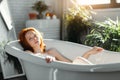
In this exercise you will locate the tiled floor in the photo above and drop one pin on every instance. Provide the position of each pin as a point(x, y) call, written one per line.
point(18, 78)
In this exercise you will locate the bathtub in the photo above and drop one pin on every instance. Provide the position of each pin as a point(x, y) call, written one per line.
point(106, 64)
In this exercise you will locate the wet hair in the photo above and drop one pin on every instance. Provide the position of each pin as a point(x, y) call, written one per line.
point(25, 44)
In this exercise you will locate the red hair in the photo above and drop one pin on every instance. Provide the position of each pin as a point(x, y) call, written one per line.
point(24, 42)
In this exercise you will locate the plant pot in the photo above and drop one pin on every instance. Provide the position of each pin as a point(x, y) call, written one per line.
point(32, 16)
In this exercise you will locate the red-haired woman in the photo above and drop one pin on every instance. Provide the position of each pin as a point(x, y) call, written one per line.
point(32, 42)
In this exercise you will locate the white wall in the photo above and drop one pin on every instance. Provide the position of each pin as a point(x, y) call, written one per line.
point(20, 9)
point(102, 14)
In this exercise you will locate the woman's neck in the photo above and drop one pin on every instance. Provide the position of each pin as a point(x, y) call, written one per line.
point(37, 50)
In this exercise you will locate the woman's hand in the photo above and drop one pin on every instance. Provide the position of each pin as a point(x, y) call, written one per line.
point(49, 59)
point(95, 50)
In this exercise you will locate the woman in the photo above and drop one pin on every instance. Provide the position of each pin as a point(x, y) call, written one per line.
point(32, 42)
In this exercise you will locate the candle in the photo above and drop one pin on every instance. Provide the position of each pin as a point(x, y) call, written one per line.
point(47, 16)
point(54, 17)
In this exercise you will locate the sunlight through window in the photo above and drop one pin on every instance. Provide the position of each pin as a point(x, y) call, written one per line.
point(91, 2)
point(118, 1)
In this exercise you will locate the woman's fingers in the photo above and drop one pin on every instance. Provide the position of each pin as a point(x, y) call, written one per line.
point(100, 49)
point(49, 59)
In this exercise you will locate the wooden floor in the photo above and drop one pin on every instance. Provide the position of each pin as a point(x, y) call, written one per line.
point(18, 78)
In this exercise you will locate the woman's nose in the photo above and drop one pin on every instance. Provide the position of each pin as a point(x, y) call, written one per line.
point(35, 38)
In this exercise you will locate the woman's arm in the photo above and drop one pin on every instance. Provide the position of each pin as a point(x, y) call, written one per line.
point(95, 50)
point(86, 55)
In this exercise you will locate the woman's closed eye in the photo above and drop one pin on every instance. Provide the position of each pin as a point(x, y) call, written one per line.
point(32, 38)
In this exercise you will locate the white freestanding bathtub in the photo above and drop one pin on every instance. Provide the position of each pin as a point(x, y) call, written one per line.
point(106, 64)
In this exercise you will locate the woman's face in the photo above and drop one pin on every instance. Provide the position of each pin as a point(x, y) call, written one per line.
point(33, 39)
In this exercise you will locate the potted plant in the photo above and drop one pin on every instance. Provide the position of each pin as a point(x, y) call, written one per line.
point(40, 7)
point(105, 34)
point(33, 15)
point(78, 21)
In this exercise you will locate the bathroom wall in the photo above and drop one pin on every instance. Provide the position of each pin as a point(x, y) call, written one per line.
point(19, 12)
point(103, 14)
point(20, 9)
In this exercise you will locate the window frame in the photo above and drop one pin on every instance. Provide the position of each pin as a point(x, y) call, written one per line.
point(113, 4)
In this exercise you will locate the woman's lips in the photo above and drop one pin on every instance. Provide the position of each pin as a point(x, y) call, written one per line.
point(36, 42)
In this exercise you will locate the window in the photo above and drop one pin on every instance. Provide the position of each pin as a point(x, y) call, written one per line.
point(100, 4)
point(92, 2)
point(118, 1)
